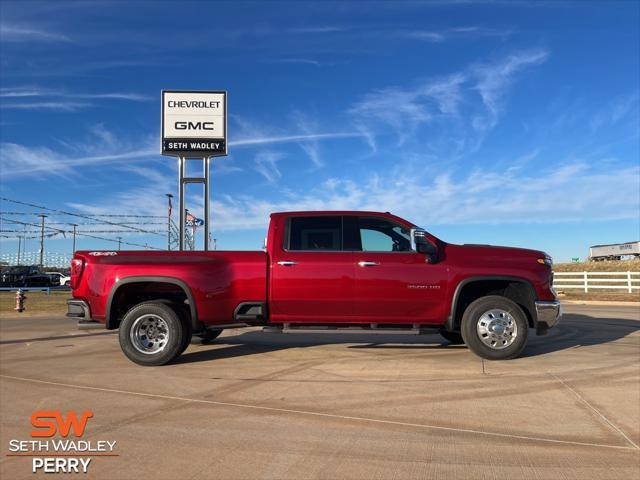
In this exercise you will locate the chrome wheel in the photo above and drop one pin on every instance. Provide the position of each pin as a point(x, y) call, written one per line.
point(497, 328)
point(149, 334)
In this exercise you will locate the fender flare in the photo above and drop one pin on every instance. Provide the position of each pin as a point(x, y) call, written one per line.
point(110, 322)
point(449, 324)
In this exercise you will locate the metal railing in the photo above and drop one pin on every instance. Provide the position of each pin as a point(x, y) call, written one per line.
point(586, 281)
point(26, 289)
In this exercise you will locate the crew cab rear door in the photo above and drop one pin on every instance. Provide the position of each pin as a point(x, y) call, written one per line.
point(393, 283)
point(312, 276)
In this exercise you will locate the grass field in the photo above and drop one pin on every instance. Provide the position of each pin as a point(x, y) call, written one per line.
point(37, 302)
point(614, 266)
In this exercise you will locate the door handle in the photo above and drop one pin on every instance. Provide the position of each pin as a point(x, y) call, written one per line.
point(287, 263)
point(368, 264)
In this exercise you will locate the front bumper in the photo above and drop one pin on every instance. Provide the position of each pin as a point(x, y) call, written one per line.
point(548, 315)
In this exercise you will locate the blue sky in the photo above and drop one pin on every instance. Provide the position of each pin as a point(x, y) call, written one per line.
point(511, 123)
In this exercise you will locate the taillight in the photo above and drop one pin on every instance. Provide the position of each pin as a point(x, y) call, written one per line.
point(77, 265)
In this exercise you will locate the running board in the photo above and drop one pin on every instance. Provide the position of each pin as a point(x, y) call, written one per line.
point(373, 328)
point(90, 325)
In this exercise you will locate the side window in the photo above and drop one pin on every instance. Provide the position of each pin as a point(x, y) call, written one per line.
point(315, 233)
point(381, 235)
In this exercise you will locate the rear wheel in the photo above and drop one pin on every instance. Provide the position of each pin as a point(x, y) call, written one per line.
point(495, 328)
point(153, 334)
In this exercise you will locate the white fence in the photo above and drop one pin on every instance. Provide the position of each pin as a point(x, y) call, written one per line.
point(586, 281)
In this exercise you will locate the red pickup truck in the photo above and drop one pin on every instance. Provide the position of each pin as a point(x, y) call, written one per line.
point(320, 271)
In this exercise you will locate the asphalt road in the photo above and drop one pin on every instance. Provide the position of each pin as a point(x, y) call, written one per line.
point(262, 405)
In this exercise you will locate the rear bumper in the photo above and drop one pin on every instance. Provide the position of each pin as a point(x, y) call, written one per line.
point(78, 309)
point(548, 315)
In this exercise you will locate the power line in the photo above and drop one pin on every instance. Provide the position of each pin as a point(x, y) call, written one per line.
point(78, 233)
point(121, 215)
point(62, 212)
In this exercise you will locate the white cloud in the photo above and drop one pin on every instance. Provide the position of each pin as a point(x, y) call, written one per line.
point(318, 29)
point(251, 141)
point(25, 33)
point(99, 147)
point(493, 79)
point(64, 106)
point(304, 61)
point(470, 32)
point(267, 165)
point(435, 104)
point(570, 192)
point(58, 99)
point(615, 110)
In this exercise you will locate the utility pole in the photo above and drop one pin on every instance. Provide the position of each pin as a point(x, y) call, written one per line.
point(43, 216)
point(169, 208)
point(74, 238)
point(19, 245)
point(119, 240)
point(184, 232)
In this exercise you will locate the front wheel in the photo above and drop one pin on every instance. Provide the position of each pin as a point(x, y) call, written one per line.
point(153, 334)
point(495, 328)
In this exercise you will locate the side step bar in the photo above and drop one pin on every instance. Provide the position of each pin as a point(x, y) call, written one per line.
point(90, 325)
point(365, 329)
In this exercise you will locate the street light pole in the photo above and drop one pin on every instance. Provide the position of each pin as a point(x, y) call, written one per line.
point(119, 240)
point(43, 216)
point(19, 245)
point(169, 208)
point(74, 237)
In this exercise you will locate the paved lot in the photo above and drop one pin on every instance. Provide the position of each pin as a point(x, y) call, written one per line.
point(260, 405)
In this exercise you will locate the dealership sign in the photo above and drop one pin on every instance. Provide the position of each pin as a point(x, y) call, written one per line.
point(194, 123)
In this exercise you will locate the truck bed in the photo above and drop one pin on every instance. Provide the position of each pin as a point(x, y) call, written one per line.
point(218, 281)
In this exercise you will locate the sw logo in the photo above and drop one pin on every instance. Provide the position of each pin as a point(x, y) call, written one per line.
point(67, 453)
point(48, 423)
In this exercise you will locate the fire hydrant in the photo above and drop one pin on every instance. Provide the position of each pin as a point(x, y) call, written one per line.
point(20, 299)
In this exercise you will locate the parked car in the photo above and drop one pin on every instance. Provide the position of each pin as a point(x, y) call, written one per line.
point(321, 271)
point(24, 276)
point(59, 279)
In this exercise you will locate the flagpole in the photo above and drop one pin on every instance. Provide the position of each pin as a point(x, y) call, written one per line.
point(170, 207)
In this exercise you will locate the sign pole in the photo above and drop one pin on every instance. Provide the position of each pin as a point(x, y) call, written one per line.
point(206, 202)
point(193, 125)
point(181, 167)
point(169, 208)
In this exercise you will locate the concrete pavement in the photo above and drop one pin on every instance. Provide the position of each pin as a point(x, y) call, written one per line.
point(262, 405)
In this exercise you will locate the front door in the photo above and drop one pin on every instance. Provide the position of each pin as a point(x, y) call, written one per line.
point(393, 283)
point(312, 277)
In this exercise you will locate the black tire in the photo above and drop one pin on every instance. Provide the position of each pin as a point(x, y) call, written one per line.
point(454, 338)
point(178, 332)
point(506, 345)
point(207, 336)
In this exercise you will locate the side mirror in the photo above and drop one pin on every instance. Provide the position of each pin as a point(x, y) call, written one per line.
point(421, 244)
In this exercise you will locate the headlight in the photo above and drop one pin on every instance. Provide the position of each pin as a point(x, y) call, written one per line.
point(547, 260)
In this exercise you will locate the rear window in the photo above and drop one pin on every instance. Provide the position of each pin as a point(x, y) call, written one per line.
point(315, 233)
